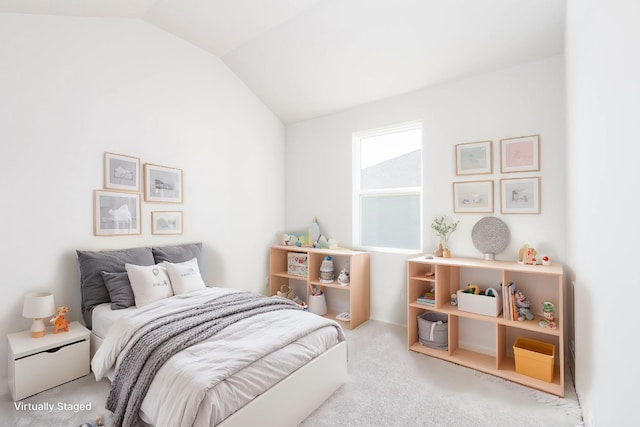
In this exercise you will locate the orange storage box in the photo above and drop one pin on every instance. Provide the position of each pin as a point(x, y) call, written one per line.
point(534, 358)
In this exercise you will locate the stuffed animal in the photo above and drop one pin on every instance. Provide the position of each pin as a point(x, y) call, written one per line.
point(59, 322)
point(343, 278)
point(523, 307)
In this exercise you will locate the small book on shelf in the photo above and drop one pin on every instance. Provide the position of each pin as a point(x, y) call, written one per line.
point(428, 298)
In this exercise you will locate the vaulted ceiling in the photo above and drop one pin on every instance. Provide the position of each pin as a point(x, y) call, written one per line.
point(307, 58)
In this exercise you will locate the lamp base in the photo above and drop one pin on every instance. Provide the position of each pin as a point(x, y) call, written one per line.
point(39, 334)
point(37, 328)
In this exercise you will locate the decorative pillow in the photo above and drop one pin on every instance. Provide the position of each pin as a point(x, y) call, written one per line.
point(92, 264)
point(178, 253)
point(149, 283)
point(119, 288)
point(185, 276)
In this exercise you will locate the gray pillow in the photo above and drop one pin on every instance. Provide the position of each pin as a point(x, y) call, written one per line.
point(92, 264)
point(178, 253)
point(120, 291)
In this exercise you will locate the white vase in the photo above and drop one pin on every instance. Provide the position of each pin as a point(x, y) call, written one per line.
point(318, 304)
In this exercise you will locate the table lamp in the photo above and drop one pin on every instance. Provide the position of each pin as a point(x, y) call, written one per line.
point(37, 306)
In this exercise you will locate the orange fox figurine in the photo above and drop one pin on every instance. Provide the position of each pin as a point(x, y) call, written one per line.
point(59, 322)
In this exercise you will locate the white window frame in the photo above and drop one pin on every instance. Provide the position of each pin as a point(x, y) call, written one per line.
point(404, 191)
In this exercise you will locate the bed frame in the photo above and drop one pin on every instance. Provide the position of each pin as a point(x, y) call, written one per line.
point(303, 391)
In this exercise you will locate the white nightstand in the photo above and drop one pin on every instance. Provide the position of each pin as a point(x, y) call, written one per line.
point(37, 364)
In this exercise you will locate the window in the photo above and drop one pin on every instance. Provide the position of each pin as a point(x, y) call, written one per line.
point(387, 188)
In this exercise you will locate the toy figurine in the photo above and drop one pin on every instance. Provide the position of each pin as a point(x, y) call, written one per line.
point(548, 311)
point(527, 255)
point(326, 270)
point(523, 307)
point(343, 278)
point(59, 322)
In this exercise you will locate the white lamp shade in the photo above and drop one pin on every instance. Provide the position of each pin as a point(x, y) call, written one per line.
point(38, 305)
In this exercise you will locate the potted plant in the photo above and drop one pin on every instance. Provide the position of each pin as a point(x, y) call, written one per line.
point(443, 229)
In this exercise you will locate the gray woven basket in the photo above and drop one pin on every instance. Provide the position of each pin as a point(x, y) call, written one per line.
point(431, 333)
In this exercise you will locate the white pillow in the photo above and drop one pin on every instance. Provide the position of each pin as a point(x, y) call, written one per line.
point(185, 276)
point(150, 283)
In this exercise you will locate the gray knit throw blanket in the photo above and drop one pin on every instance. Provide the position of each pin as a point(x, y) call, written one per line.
point(167, 336)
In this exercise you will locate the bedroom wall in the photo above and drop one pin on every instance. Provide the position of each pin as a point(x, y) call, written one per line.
point(524, 100)
point(73, 88)
point(603, 101)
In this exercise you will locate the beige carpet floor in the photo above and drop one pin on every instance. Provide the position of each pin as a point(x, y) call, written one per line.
point(388, 386)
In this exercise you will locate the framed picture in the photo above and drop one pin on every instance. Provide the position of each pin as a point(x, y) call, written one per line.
point(166, 222)
point(162, 184)
point(520, 154)
point(121, 172)
point(520, 195)
point(116, 213)
point(473, 158)
point(473, 196)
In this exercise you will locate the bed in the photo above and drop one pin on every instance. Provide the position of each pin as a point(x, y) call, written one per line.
point(269, 362)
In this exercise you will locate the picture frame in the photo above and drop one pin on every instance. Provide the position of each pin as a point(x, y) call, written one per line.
point(121, 172)
point(520, 154)
point(116, 213)
point(520, 195)
point(473, 196)
point(162, 184)
point(474, 158)
point(166, 222)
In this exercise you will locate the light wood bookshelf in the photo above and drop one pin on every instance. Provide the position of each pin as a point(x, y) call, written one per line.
point(355, 297)
point(448, 275)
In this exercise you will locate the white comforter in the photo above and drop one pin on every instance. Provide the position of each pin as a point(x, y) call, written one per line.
point(204, 384)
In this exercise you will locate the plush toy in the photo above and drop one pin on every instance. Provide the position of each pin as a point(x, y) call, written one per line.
point(288, 293)
point(343, 278)
point(59, 322)
point(523, 307)
point(96, 423)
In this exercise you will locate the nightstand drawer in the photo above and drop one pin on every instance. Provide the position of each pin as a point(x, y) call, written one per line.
point(49, 368)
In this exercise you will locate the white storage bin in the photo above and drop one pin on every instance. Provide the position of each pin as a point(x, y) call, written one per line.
point(480, 304)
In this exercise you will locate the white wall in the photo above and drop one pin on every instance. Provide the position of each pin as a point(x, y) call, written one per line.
point(523, 100)
point(603, 104)
point(73, 88)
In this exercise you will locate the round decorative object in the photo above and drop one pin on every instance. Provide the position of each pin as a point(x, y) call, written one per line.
point(490, 236)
